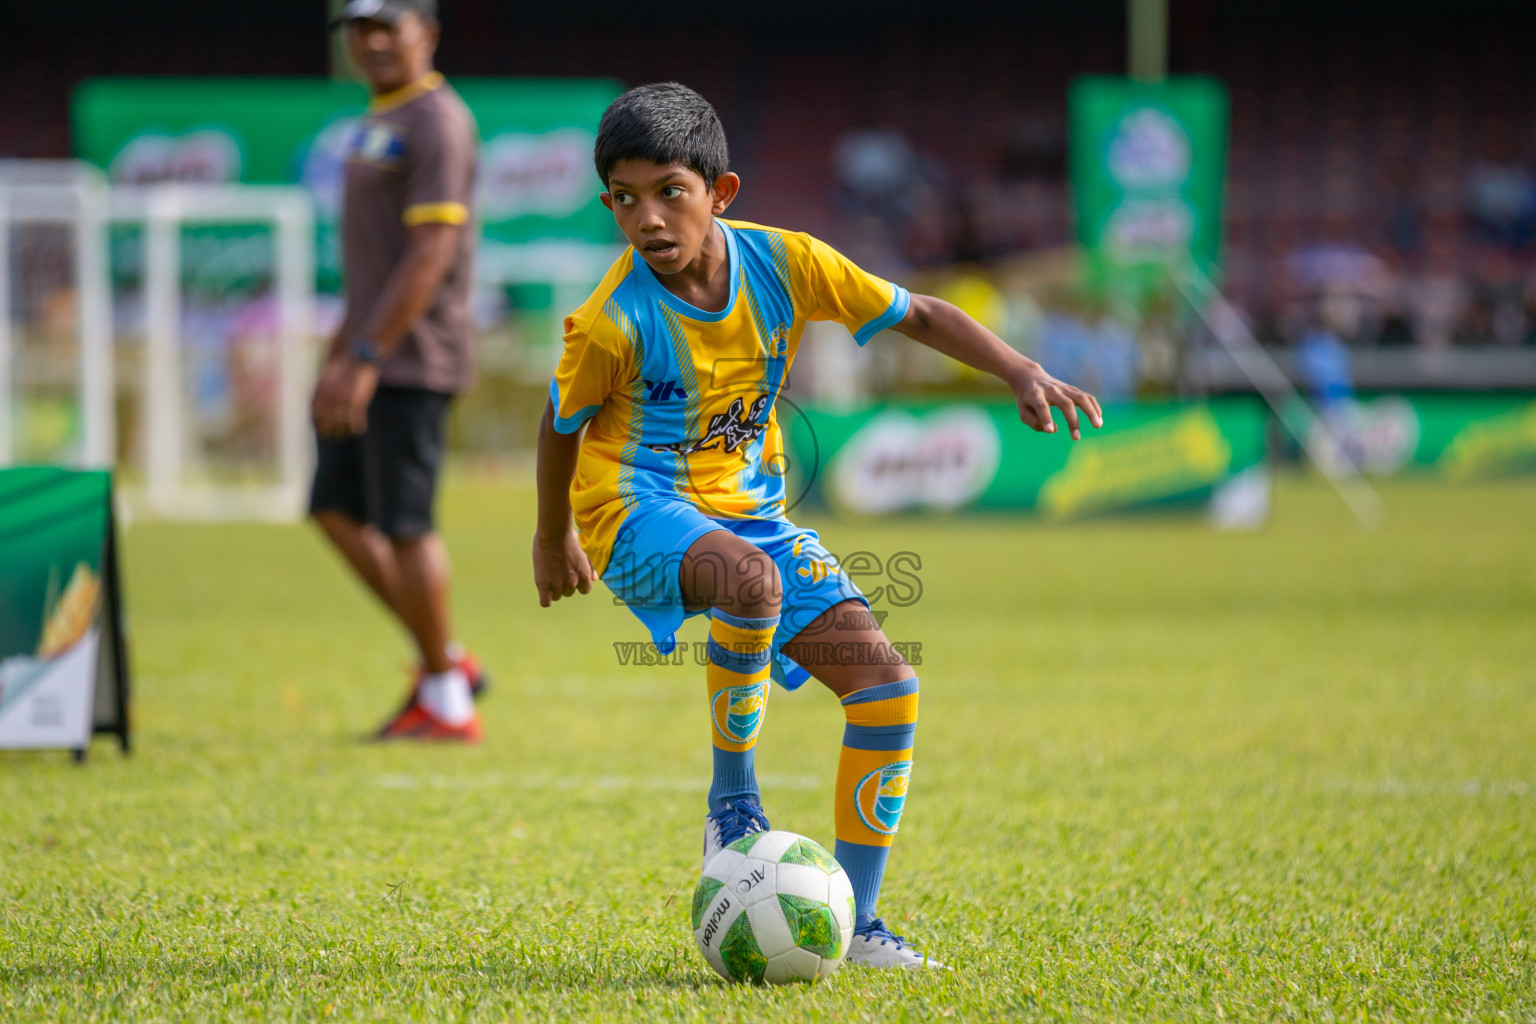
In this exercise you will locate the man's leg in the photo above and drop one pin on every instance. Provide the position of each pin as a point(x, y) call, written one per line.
point(409, 576)
point(368, 552)
point(410, 442)
point(372, 498)
point(420, 565)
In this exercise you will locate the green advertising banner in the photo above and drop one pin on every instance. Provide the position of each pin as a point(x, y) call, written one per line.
point(1147, 162)
point(536, 180)
point(60, 635)
point(977, 455)
point(1458, 437)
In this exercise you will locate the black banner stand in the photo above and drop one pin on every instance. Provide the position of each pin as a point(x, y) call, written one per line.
point(110, 714)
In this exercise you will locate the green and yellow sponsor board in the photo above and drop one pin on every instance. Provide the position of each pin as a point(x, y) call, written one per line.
point(62, 671)
point(1148, 167)
point(1454, 436)
point(536, 180)
point(949, 455)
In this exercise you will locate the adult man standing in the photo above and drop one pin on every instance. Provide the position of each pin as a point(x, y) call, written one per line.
point(404, 349)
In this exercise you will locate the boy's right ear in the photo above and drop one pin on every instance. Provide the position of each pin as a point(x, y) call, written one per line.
point(607, 198)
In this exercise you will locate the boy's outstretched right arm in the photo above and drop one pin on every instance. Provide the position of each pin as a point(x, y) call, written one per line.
point(560, 567)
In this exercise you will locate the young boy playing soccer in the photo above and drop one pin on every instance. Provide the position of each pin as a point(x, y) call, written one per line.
point(676, 485)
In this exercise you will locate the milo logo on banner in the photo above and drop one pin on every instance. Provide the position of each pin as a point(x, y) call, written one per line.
point(1148, 167)
point(898, 461)
point(207, 156)
point(545, 175)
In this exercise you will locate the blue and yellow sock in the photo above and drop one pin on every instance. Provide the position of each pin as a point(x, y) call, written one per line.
point(872, 779)
point(737, 674)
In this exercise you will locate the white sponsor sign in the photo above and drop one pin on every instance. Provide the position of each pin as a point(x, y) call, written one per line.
point(204, 157)
point(49, 702)
point(1149, 150)
point(898, 461)
point(548, 174)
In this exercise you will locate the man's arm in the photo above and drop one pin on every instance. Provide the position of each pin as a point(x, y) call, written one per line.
point(347, 385)
point(415, 280)
point(560, 567)
point(944, 328)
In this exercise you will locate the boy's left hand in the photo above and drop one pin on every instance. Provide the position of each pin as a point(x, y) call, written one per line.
point(1037, 391)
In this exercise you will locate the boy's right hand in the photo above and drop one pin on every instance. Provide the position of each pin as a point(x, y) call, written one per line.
point(560, 567)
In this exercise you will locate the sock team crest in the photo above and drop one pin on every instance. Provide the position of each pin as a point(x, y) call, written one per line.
point(880, 796)
point(738, 711)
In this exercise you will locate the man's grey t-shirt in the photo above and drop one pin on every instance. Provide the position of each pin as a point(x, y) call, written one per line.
point(412, 161)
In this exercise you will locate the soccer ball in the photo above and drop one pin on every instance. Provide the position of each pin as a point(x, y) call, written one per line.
point(773, 907)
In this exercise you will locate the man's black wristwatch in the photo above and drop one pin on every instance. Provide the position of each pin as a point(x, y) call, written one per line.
point(365, 352)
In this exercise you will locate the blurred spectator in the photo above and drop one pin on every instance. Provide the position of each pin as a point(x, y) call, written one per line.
point(1116, 358)
point(1498, 299)
point(1066, 345)
point(1437, 296)
point(877, 173)
point(1396, 330)
point(1336, 268)
point(1475, 329)
point(1322, 361)
point(1034, 148)
point(966, 241)
point(1401, 195)
point(1500, 193)
point(1528, 297)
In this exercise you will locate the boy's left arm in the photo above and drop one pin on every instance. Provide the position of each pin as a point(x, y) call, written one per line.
point(944, 328)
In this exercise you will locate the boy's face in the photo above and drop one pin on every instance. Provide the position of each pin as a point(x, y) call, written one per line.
point(666, 211)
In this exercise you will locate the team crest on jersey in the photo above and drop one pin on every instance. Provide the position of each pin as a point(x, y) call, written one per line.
point(378, 143)
point(880, 796)
point(778, 343)
point(735, 427)
point(738, 711)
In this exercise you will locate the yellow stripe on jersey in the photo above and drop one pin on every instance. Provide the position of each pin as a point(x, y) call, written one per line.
point(435, 213)
point(403, 95)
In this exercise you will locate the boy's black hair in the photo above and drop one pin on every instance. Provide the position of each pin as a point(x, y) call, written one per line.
point(665, 123)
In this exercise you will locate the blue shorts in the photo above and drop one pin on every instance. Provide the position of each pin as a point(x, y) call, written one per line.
point(648, 555)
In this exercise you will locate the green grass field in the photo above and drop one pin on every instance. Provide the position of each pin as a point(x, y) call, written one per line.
point(1162, 773)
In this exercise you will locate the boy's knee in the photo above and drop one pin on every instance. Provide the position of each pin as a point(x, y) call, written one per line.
point(758, 589)
point(878, 670)
point(883, 705)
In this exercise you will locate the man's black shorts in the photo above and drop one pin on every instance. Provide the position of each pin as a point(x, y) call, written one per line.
point(388, 475)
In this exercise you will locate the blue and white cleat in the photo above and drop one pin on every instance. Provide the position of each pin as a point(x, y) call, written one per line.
point(875, 945)
point(737, 819)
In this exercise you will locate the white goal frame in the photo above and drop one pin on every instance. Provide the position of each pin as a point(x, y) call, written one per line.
point(75, 194)
point(162, 211)
point(165, 482)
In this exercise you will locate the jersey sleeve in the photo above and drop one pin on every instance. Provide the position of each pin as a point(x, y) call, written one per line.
point(588, 373)
point(843, 291)
point(440, 171)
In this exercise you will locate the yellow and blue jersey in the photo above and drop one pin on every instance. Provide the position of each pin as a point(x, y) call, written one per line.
point(678, 401)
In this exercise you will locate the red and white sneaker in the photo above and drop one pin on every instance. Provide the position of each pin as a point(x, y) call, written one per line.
point(417, 723)
point(466, 662)
point(479, 682)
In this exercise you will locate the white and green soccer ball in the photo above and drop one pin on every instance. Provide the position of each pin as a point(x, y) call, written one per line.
point(773, 907)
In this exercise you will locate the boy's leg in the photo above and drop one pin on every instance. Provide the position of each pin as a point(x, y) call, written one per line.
point(845, 649)
point(740, 585)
